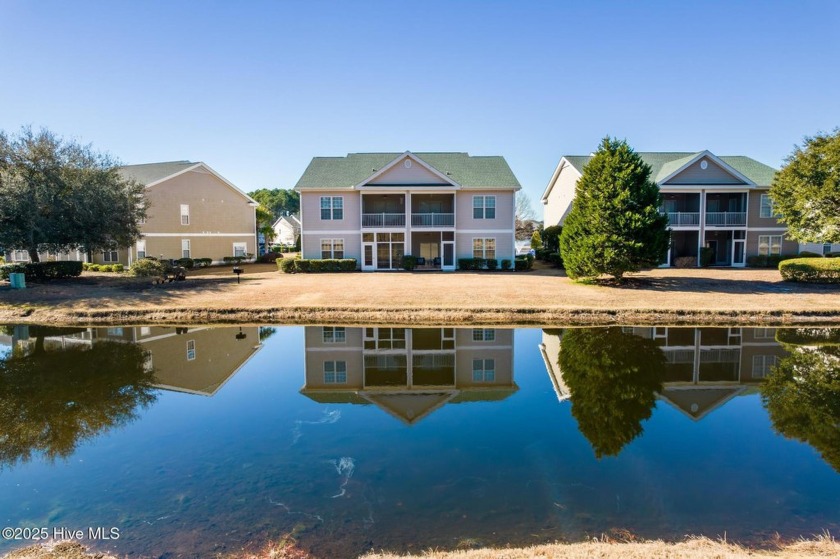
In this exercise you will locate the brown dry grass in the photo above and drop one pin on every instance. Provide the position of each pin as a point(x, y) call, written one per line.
point(542, 296)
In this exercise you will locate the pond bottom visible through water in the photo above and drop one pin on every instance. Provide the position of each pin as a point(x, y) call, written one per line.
point(195, 442)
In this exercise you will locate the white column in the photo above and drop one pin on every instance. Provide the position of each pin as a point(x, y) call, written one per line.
point(408, 249)
point(701, 235)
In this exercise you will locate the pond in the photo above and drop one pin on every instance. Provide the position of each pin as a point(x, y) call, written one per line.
point(195, 441)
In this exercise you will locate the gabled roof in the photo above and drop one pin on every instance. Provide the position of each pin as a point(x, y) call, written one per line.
point(150, 174)
point(466, 170)
point(293, 219)
point(665, 164)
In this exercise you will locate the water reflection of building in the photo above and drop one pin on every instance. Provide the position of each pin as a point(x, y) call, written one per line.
point(408, 372)
point(706, 367)
point(192, 360)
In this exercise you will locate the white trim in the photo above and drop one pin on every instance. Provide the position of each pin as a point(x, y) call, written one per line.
point(694, 189)
point(563, 164)
point(348, 231)
point(494, 231)
point(212, 172)
point(190, 234)
point(410, 155)
point(767, 228)
point(720, 163)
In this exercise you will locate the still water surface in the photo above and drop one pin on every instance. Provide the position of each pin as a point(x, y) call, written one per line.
point(203, 440)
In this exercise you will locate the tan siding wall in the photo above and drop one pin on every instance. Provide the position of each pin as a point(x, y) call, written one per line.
point(560, 199)
point(311, 245)
point(788, 246)
point(750, 351)
point(713, 174)
point(122, 253)
point(503, 362)
point(416, 174)
point(315, 368)
point(200, 247)
point(310, 212)
point(754, 218)
point(504, 210)
point(504, 245)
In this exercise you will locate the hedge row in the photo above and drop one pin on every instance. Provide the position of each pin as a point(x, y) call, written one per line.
point(103, 267)
point(483, 264)
point(768, 261)
point(811, 270)
point(43, 271)
point(296, 265)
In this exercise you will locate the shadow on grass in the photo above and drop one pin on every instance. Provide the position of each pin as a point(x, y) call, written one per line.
point(697, 284)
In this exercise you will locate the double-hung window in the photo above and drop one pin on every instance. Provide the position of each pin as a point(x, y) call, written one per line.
point(332, 248)
point(185, 248)
point(141, 249)
point(769, 244)
point(335, 372)
point(334, 334)
point(185, 214)
point(484, 207)
point(767, 207)
point(240, 249)
point(484, 334)
point(332, 207)
point(110, 255)
point(190, 350)
point(762, 365)
point(484, 247)
point(484, 370)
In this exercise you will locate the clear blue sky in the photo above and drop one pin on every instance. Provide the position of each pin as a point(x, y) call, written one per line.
point(255, 89)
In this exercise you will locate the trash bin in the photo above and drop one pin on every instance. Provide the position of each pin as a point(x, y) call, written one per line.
point(17, 280)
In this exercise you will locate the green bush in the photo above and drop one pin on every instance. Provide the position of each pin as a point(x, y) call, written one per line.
point(492, 264)
point(86, 266)
point(465, 263)
point(147, 267)
point(106, 268)
point(522, 263)
point(235, 260)
point(811, 270)
point(506, 264)
point(409, 262)
point(202, 262)
point(187, 263)
point(269, 257)
point(809, 254)
point(95, 268)
point(832, 255)
point(286, 265)
point(119, 268)
point(43, 271)
point(707, 256)
point(303, 266)
point(767, 261)
point(551, 238)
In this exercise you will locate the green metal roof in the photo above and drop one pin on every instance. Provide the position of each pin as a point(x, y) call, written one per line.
point(148, 173)
point(467, 170)
point(665, 163)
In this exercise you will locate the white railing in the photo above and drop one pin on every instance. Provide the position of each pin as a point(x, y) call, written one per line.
point(683, 218)
point(720, 356)
point(726, 218)
point(383, 220)
point(433, 220)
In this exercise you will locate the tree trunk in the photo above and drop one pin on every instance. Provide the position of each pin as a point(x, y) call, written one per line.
point(33, 254)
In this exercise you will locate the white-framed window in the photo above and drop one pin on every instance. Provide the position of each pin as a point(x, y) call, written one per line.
point(185, 248)
point(115, 332)
point(190, 350)
point(240, 249)
point(764, 333)
point(484, 207)
point(145, 330)
point(826, 248)
point(484, 247)
point(20, 256)
point(185, 214)
point(332, 207)
point(484, 370)
point(484, 334)
point(334, 334)
point(335, 372)
point(384, 338)
point(332, 248)
point(762, 365)
point(141, 249)
point(110, 255)
point(769, 244)
point(767, 207)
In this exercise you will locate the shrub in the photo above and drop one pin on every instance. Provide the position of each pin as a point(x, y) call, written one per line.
point(95, 268)
point(119, 268)
point(832, 255)
point(286, 265)
point(86, 266)
point(811, 270)
point(685, 262)
point(187, 263)
point(409, 262)
point(43, 271)
point(106, 268)
point(522, 263)
point(506, 264)
point(466, 263)
point(147, 267)
point(269, 257)
point(295, 265)
point(555, 259)
point(202, 262)
point(551, 238)
point(707, 256)
point(303, 266)
point(809, 254)
point(492, 263)
point(767, 261)
point(236, 260)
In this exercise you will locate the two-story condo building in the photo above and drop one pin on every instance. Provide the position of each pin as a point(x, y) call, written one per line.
point(720, 202)
point(378, 207)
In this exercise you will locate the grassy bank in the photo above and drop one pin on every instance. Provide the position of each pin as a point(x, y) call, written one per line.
point(539, 297)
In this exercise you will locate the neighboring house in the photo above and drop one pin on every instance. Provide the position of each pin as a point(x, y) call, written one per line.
point(713, 201)
point(705, 367)
point(408, 372)
point(820, 248)
point(378, 207)
point(287, 229)
point(193, 212)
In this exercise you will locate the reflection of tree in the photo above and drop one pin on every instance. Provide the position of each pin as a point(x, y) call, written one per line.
point(613, 378)
point(266, 332)
point(802, 396)
point(50, 401)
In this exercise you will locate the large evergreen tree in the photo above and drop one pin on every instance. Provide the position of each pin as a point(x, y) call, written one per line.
point(614, 226)
point(59, 195)
point(806, 192)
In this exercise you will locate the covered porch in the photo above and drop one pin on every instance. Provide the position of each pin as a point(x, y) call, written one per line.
point(434, 250)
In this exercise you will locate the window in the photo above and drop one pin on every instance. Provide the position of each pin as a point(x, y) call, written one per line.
point(185, 248)
point(115, 332)
point(332, 248)
point(21, 256)
point(385, 338)
point(769, 244)
point(190, 350)
point(185, 214)
point(763, 365)
point(110, 255)
point(484, 248)
point(484, 207)
point(141, 249)
point(332, 207)
point(484, 370)
point(240, 249)
point(764, 333)
point(335, 372)
point(826, 248)
point(484, 334)
point(334, 334)
point(145, 330)
point(767, 207)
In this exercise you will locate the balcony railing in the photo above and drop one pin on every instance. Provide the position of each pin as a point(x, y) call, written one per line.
point(726, 218)
point(433, 220)
point(383, 220)
point(683, 218)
